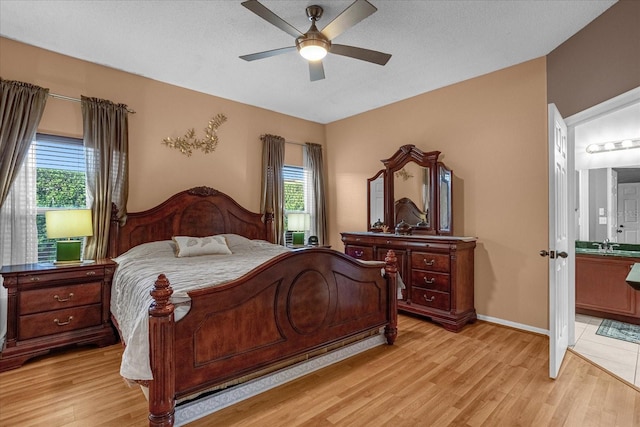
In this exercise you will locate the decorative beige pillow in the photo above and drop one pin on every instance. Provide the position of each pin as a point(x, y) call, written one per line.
point(193, 246)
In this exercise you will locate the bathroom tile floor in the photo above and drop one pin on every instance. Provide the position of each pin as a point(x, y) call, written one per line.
point(619, 357)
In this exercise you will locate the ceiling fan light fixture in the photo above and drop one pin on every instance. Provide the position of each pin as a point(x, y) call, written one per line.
point(312, 46)
point(312, 52)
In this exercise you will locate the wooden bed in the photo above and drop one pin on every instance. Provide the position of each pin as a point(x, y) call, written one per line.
point(297, 304)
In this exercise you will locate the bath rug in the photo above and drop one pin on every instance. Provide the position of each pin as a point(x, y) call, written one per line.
point(619, 330)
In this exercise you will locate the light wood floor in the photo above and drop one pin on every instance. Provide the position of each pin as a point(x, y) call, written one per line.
point(486, 375)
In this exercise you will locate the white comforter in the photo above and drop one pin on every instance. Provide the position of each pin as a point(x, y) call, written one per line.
point(139, 268)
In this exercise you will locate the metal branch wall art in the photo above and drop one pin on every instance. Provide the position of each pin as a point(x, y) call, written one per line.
point(187, 143)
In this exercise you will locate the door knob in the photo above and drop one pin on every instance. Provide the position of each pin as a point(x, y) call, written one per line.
point(543, 253)
point(563, 254)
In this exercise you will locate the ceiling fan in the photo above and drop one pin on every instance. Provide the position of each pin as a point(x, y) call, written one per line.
point(314, 45)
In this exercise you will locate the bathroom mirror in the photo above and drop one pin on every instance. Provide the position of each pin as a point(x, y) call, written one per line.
point(417, 190)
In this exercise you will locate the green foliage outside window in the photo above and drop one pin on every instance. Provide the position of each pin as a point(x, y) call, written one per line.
point(293, 196)
point(60, 188)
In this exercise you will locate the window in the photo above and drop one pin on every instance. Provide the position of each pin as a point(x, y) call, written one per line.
point(294, 186)
point(60, 182)
point(296, 197)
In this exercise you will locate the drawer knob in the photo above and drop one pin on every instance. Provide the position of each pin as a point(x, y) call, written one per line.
point(34, 279)
point(433, 261)
point(358, 253)
point(91, 273)
point(59, 323)
point(429, 299)
point(57, 298)
point(429, 281)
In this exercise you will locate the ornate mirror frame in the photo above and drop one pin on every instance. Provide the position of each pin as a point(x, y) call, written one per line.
point(439, 213)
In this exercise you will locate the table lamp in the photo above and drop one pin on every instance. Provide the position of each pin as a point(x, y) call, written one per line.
point(298, 223)
point(68, 223)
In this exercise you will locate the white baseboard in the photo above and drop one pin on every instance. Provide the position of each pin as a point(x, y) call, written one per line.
point(513, 324)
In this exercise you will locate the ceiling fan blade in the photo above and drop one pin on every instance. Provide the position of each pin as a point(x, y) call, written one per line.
point(360, 53)
point(355, 13)
point(259, 9)
point(316, 70)
point(267, 53)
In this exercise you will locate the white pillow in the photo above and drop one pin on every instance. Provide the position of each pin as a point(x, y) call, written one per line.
point(193, 246)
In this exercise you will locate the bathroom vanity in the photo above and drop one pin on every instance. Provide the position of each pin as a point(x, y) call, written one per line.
point(601, 287)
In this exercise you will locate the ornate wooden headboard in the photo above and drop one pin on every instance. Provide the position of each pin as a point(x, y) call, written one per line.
point(198, 212)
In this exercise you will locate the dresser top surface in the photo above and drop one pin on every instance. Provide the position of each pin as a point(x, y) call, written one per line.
point(425, 237)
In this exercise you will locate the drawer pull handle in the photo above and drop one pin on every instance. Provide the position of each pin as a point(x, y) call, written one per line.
point(57, 298)
point(429, 299)
point(358, 253)
point(433, 261)
point(429, 281)
point(91, 273)
point(34, 279)
point(59, 323)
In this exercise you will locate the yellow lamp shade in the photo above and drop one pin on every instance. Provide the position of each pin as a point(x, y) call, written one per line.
point(68, 223)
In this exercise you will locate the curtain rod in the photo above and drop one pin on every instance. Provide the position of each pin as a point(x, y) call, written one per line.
point(295, 143)
point(68, 98)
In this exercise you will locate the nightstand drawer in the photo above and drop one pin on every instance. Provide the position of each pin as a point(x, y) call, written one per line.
point(431, 280)
point(61, 275)
point(434, 299)
point(59, 297)
point(430, 261)
point(53, 322)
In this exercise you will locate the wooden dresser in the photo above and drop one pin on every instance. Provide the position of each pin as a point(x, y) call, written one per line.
point(51, 306)
point(437, 272)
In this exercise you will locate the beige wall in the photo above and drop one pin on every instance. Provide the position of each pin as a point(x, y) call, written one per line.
point(162, 110)
point(492, 133)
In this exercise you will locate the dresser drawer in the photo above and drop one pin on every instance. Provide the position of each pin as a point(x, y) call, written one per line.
point(431, 280)
point(430, 261)
point(54, 322)
point(59, 297)
point(433, 299)
point(360, 252)
point(58, 276)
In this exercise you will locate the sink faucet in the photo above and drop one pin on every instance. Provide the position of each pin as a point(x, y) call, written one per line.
point(606, 245)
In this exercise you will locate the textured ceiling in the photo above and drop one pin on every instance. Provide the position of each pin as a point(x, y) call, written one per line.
point(196, 44)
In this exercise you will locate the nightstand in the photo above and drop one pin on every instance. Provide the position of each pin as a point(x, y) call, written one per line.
point(51, 306)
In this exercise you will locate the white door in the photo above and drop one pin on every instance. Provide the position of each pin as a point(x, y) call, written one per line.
point(558, 242)
point(628, 230)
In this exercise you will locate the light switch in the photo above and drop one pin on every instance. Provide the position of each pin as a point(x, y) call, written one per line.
point(603, 220)
point(601, 212)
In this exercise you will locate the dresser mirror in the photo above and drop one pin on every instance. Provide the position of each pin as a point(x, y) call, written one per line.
point(416, 189)
point(375, 201)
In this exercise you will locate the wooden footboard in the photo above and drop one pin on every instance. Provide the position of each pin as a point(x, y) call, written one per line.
point(294, 304)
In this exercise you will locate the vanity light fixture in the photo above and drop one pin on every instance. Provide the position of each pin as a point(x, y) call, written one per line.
point(625, 144)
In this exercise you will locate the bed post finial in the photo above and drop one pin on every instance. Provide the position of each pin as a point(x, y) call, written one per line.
point(161, 349)
point(391, 269)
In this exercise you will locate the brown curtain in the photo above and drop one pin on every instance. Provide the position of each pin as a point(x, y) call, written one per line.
point(273, 183)
point(21, 108)
point(106, 141)
point(314, 164)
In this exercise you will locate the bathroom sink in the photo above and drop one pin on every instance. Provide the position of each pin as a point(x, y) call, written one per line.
point(614, 252)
